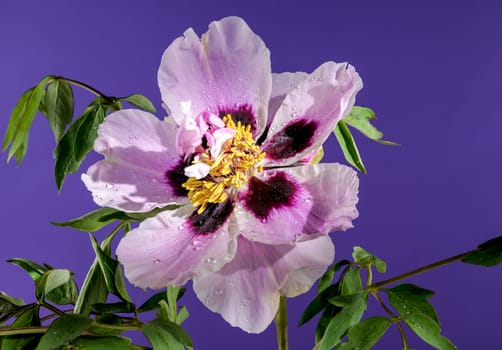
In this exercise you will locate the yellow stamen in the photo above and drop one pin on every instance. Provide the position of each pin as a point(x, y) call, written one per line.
point(236, 162)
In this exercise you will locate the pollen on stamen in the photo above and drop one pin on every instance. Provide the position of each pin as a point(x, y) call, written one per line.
point(237, 161)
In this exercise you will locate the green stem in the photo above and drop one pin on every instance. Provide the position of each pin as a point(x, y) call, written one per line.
point(281, 325)
point(22, 330)
point(395, 319)
point(418, 271)
point(88, 88)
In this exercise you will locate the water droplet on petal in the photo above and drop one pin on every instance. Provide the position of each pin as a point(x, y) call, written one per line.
point(211, 261)
point(109, 186)
point(307, 200)
point(263, 220)
point(181, 227)
point(157, 261)
point(218, 291)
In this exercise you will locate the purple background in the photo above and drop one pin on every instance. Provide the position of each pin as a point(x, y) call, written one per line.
point(431, 72)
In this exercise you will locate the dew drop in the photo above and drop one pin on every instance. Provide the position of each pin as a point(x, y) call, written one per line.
point(211, 261)
point(307, 200)
point(157, 261)
point(196, 242)
point(181, 227)
point(209, 301)
point(218, 291)
point(109, 186)
point(263, 220)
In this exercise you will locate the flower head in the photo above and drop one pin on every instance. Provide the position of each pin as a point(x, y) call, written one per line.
point(255, 215)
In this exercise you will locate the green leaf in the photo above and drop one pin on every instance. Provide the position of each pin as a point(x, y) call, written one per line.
point(111, 272)
point(51, 280)
point(6, 299)
point(348, 146)
point(351, 282)
point(327, 277)
point(182, 315)
point(58, 106)
point(34, 269)
point(363, 257)
point(21, 119)
point(77, 142)
point(319, 303)
point(93, 221)
point(153, 302)
point(102, 322)
point(365, 334)
point(94, 289)
point(165, 335)
point(28, 318)
point(86, 342)
point(349, 316)
point(345, 300)
point(488, 253)
point(329, 312)
point(359, 118)
point(428, 330)
point(120, 306)
point(63, 330)
point(408, 298)
point(140, 101)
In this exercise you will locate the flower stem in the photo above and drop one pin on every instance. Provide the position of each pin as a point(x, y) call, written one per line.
point(88, 88)
point(418, 271)
point(281, 325)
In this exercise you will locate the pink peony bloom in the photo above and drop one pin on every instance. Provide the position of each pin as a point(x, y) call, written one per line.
point(255, 218)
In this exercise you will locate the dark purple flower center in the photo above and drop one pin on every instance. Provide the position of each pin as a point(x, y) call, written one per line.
point(243, 114)
point(176, 177)
point(263, 196)
point(211, 218)
point(292, 139)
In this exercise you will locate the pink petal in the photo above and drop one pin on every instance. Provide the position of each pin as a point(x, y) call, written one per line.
point(138, 149)
point(334, 191)
point(163, 250)
point(273, 208)
point(309, 113)
point(246, 291)
point(282, 84)
point(228, 68)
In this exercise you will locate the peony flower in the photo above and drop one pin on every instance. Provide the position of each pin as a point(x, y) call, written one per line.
point(255, 216)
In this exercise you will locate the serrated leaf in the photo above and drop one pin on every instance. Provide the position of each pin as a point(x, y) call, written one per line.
point(140, 101)
point(408, 298)
point(63, 330)
point(488, 253)
point(58, 106)
point(21, 119)
point(359, 118)
point(111, 272)
point(165, 335)
point(319, 303)
point(153, 302)
point(367, 333)
point(86, 342)
point(20, 342)
point(351, 282)
point(428, 330)
point(34, 269)
point(348, 145)
point(349, 316)
point(77, 142)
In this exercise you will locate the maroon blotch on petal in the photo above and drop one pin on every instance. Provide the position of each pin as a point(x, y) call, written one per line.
point(265, 195)
point(211, 219)
point(294, 138)
point(176, 178)
point(243, 114)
